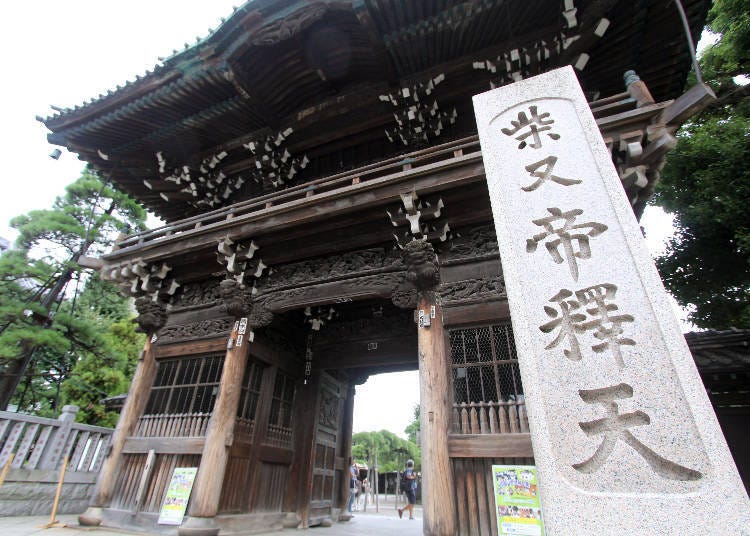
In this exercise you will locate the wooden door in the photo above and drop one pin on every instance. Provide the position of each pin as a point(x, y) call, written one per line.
point(326, 472)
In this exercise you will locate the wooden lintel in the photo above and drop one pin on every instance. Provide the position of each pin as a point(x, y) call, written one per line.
point(357, 356)
point(374, 286)
point(164, 445)
point(475, 313)
point(490, 446)
point(191, 347)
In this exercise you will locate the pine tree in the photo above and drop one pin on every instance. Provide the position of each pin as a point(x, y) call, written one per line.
point(84, 221)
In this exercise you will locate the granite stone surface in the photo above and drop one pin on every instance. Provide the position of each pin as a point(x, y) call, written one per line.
point(624, 437)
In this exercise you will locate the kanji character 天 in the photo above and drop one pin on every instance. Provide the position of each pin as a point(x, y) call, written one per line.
point(615, 427)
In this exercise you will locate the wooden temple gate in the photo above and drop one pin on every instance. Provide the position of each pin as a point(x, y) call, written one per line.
point(325, 153)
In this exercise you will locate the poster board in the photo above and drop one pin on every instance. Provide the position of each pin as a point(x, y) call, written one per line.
point(517, 504)
point(178, 494)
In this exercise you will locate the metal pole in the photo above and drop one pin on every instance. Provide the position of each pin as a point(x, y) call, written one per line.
point(689, 37)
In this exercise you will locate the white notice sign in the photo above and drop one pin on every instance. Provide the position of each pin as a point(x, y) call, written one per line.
point(624, 437)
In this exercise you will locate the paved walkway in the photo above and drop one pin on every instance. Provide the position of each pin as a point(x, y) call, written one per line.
point(368, 523)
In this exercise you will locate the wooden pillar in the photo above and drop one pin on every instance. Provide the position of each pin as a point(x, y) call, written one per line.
point(135, 403)
point(422, 271)
point(347, 426)
point(299, 491)
point(204, 500)
point(436, 400)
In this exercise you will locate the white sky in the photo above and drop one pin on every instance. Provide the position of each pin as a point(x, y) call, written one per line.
point(64, 53)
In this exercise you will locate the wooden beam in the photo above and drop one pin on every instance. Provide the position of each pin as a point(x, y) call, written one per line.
point(270, 454)
point(688, 104)
point(490, 446)
point(164, 445)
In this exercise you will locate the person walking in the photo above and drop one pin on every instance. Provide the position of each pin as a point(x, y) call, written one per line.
point(353, 485)
point(411, 490)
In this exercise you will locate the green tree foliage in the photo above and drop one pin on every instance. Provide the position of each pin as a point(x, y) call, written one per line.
point(706, 185)
point(105, 370)
point(413, 427)
point(56, 321)
point(85, 220)
point(392, 450)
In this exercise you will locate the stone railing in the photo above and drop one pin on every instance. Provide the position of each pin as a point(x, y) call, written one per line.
point(34, 450)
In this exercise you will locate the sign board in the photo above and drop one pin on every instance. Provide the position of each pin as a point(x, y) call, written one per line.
point(517, 504)
point(178, 494)
point(624, 436)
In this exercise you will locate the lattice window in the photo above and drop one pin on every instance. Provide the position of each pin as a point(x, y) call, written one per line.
point(279, 431)
point(281, 405)
point(485, 365)
point(250, 391)
point(185, 385)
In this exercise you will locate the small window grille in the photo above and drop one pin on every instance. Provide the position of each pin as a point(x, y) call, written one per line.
point(485, 365)
point(250, 391)
point(281, 405)
point(185, 385)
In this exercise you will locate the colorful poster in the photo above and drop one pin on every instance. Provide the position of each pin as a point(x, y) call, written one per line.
point(178, 493)
point(517, 500)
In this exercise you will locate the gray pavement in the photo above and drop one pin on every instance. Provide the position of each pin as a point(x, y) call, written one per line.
point(369, 523)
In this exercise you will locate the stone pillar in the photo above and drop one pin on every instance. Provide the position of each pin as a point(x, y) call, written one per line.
point(620, 423)
point(152, 316)
point(53, 453)
point(435, 391)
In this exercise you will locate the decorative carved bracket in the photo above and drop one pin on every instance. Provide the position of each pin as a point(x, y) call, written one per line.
point(152, 315)
point(516, 64)
point(237, 291)
point(139, 278)
point(204, 185)
point(417, 119)
point(151, 288)
point(423, 218)
point(274, 167)
point(240, 261)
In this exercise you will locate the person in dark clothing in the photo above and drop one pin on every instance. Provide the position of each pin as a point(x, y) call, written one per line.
point(411, 490)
